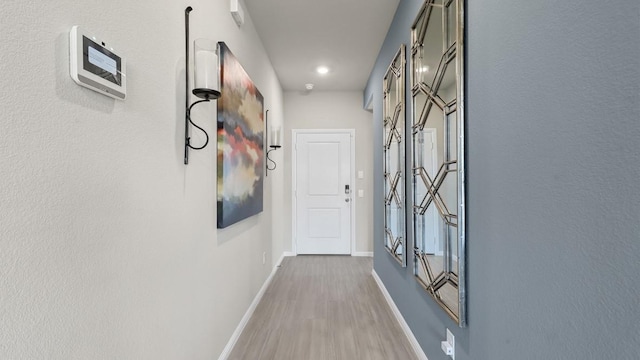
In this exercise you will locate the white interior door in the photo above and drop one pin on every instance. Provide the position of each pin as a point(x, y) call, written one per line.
point(323, 193)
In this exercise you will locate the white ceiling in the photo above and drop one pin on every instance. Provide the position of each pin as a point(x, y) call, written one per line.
point(344, 35)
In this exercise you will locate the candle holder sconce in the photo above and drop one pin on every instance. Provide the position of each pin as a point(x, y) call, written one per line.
point(276, 142)
point(205, 78)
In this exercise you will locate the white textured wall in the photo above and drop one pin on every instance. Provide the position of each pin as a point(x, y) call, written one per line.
point(331, 110)
point(108, 243)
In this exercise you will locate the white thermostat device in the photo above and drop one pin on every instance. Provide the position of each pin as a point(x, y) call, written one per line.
point(95, 65)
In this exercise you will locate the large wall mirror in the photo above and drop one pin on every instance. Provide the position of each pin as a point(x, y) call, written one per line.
point(438, 154)
point(394, 158)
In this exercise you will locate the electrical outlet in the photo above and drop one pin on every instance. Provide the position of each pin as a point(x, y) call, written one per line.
point(449, 346)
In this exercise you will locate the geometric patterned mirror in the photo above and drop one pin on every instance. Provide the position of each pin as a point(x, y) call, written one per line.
point(438, 154)
point(394, 158)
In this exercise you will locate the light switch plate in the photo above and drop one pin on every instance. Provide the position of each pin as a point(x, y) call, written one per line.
point(360, 174)
point(360, 193)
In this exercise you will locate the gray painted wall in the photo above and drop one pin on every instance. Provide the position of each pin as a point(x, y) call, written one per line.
point(553, 125)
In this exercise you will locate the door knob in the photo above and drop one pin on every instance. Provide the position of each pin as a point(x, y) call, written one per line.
point(346, 200)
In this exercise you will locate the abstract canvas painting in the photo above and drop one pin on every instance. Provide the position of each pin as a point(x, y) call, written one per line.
point(240, 142)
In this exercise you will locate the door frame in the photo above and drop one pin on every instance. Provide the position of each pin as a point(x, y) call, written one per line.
point(294, 182)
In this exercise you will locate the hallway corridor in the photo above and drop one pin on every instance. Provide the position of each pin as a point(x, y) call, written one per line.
point(323, 307)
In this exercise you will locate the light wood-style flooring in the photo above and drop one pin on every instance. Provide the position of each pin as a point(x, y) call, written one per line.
point(323, 308)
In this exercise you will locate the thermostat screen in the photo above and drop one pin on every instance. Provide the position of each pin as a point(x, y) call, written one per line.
point(101, 62)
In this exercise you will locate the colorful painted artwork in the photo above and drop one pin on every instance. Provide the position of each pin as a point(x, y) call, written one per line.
point(240, 142)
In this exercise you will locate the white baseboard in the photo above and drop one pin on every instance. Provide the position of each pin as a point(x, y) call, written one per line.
point(285, 254)
point(403, 324)
point(247, 315)
point(362, 253)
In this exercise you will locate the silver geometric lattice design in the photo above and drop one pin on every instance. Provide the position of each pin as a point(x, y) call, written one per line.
point(394, 158)
point(438, 154)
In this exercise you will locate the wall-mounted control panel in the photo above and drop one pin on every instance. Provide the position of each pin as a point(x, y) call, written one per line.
point(96, 65)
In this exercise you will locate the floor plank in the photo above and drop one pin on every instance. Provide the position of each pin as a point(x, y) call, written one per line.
point(323, 308)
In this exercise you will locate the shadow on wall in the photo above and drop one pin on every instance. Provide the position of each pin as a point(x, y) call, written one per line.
point(235, 230)
point(180, 112)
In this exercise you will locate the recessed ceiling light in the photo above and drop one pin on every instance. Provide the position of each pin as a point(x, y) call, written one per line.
point(308, 86)
point(322, 70)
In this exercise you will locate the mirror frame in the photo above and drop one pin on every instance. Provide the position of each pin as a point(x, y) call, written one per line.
point(452, 274)
point(394, 121)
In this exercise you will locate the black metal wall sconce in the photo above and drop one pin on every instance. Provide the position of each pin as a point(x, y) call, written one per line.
point(205, 78)
point(276, 142)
